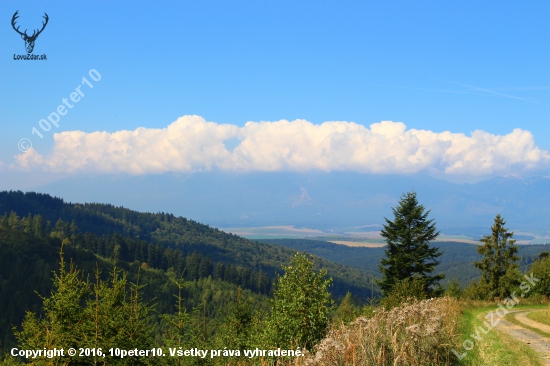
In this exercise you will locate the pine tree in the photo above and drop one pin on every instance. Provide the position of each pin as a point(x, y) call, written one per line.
point(38, 226)
point(63, 315)
point(4, 221)
point(408, 254)
point(26, 223)
point(499, 255)
point(13, 221)
point(453, 289)
point(174, 326)
point(236, 330)
point(72, 231)
point(79, 314)
point(346, 311)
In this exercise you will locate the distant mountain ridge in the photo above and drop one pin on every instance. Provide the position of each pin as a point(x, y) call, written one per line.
point(457, 260)
point(319, 200)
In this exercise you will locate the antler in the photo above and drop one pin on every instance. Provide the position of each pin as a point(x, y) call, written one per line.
point(34, 35)
point(13, 19)
point(44, 23)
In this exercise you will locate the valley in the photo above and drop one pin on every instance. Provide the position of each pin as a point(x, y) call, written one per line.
point(210, 270)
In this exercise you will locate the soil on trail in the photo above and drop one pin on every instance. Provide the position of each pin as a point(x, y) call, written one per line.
point(537, 342)
point(521, 316)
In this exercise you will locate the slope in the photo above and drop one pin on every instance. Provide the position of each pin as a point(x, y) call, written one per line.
point(177, 233)
point(457, 260)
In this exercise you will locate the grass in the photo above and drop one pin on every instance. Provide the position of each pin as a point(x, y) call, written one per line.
point(540, 316)
point(426, 333)
point(494, 348)
point(416, 334)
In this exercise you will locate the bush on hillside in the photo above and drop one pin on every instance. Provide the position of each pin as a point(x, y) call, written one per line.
point(404, 291)
point(540, 270)
point(453, 289)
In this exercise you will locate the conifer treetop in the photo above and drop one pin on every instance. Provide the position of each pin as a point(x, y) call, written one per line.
point(408, 253)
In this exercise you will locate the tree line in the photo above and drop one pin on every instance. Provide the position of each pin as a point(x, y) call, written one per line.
point(168, 231)
point(407, 269)
point(112, 313)
point(120, 248)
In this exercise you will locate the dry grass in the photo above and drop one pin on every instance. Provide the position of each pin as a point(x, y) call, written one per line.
point(421, 333)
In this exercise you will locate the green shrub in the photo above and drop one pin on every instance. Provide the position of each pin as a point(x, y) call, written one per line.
point(408, 290)
point(300, 305)
point(453, 289)
point(540, 269)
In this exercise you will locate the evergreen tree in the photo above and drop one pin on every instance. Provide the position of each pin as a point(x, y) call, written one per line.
point(115, 316)
point(26, 223)
point(81, 315)
point(218, 272)
point(175, 325)
point(13, 221)
point(60, 230)
point(236, 330)
point(499, 254)
point(151, 256)
point(453, 289)
point(408, 253)
point(72, 231)
point(38, 226)
point(63, 315)
point(346, 311)
point(4, 221)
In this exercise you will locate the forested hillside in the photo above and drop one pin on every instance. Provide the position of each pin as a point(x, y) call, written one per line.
point(156, 247)
point(197, 285)
point(457, 260)
point(161, 239)
point(27, 262)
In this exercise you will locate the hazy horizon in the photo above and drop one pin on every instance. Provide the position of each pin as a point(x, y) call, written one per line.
point(307, 114)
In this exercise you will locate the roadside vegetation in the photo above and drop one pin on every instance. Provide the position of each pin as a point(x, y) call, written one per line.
point(542, 316)
point(494, 348)
point(417, 333)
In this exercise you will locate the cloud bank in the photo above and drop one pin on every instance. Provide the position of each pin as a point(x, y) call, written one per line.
point(192, 144)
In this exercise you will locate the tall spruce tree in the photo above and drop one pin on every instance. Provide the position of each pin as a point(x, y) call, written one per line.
point(499, 257)
point(408, 254)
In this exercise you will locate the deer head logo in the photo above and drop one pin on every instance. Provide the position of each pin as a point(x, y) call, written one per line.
point(29, 40)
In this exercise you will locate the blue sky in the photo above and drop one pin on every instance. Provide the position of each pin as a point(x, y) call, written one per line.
point(455, 66)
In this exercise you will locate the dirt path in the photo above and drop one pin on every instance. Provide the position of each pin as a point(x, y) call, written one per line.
point(521, 316)
point(534, 340)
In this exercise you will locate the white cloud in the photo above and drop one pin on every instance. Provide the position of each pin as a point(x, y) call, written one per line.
point(191, 144)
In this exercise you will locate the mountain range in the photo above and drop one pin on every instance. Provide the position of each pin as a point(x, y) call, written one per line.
point(319, 200)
